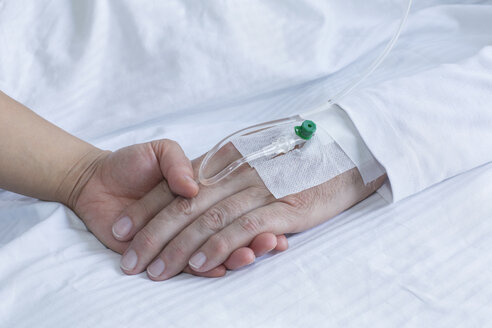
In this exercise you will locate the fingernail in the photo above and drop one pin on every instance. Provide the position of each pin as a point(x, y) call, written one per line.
point(129, 260)
point(197, 260)
point(122, 227)
point(156, 268)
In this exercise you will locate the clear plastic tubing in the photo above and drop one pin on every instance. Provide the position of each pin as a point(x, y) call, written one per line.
point(286, 143)
point(281, 145)
point(370, 69)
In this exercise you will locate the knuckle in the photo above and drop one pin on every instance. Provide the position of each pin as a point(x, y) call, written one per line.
point(255, 192)
point(299, 201)
point(147, 239)
point(165, 147)
point(176, 250)
point(169, 142)
point(218, 244)
point(184, 205)
point(251, 224)
point(214, 219)
point(142, 209)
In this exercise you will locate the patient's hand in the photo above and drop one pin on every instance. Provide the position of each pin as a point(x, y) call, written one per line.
point(205, 230)
point(135, 175)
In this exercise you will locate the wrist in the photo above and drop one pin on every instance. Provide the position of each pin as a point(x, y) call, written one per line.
point(78, 175)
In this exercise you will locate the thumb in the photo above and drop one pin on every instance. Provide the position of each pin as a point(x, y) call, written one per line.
point(175, 167)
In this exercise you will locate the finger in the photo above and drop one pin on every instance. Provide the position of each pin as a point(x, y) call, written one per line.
point(152, 238)
point(275, 217)
point(282, 243)
point(240, 258)
point(217, 272)
point(263, 243)
point(175, 167)
point(313, 206)
point(138, 213)
point(178, 251)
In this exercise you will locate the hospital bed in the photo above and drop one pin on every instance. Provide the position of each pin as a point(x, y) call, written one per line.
point(425, 261)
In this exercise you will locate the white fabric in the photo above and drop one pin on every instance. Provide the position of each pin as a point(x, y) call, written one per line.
point(335, 148)
point(424, 261)
point(435, 124)
point(317, 161)
point(335, 121)
point(116, 73)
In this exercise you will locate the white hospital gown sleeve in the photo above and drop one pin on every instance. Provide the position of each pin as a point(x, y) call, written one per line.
point(430, 126)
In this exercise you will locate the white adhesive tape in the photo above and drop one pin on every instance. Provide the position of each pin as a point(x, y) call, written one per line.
point(318, 161)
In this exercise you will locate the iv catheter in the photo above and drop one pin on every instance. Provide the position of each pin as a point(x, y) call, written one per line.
point(301, 133)
point(282, 145)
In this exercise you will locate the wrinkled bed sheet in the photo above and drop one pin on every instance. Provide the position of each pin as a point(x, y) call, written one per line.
point(423, 262)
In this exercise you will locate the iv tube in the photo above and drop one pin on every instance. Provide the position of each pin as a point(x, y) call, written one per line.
point(286, 144)
point(282, 145)
point(372, 68)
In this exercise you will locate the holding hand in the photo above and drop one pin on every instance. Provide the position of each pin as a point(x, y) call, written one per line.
point(43, 161)
point(130, 193)
point(143, 179)
point(205, 230)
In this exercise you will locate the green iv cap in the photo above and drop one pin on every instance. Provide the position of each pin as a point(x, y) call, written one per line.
point(306, 130)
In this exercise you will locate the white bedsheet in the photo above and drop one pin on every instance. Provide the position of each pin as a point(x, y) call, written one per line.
point(425, 261)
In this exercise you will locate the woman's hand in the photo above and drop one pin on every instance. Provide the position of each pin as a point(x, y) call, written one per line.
point(41, 160)
point(204, 231)
point(118, 179)
point(143, 178)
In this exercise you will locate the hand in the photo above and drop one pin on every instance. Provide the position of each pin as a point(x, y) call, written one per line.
point(205, 230)
point(141, 177)
point(43, 161)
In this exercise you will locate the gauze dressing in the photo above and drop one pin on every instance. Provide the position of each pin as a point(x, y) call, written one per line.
point(289, 163)
point(315, 162)
point(293, 154)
